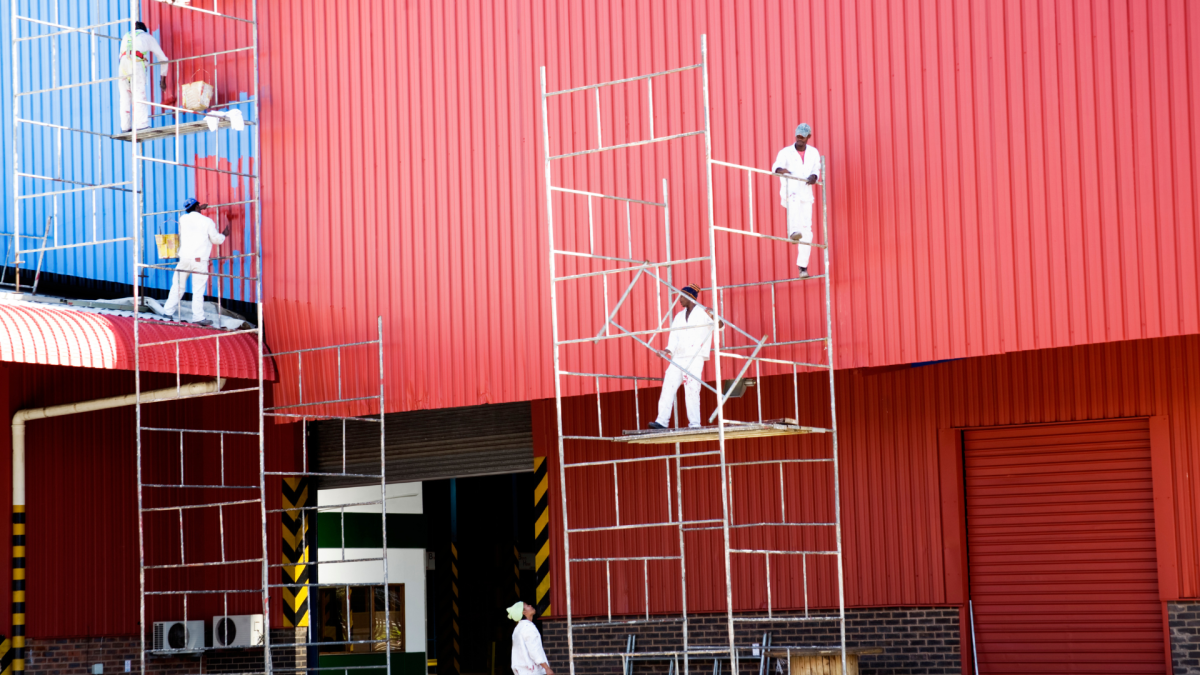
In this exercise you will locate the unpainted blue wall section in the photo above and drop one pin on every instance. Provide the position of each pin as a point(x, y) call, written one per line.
point(93, 215)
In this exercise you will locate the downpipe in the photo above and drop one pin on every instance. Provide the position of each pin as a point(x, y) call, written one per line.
point(18, 483)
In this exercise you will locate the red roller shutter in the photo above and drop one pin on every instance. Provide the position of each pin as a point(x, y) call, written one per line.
point(1060, 528)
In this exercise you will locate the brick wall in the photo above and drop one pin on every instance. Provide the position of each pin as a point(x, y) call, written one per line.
point(914, 640)
point(75, 656)
point(1183, 620)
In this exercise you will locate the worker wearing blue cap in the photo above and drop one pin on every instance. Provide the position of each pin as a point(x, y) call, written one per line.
point(687, 349)
point(197, 235)
point(802, 160)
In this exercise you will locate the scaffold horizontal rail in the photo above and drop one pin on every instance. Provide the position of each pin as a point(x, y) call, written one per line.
point(779, 427)
point(633, 144)
point(790, 618)
point(631, 460)
point(205, 564)
point(625, 80)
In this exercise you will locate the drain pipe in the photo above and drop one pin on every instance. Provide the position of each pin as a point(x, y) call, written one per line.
point(18, 484)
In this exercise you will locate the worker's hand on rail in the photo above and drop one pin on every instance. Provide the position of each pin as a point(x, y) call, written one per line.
point(811, 179)
point(783, 170)
point(665, 353)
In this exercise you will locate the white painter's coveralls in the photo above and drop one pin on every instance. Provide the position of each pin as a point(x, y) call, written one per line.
point(797, 196)
point(689, 348)
point(527, 652)
point(133, 76)
point(197, 234)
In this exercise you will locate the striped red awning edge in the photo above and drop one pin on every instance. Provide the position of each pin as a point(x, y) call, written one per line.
point(66, 337)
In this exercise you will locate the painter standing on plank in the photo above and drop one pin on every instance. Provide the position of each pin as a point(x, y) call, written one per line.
point(687, 349)
point(133, 75)
point(197, 235)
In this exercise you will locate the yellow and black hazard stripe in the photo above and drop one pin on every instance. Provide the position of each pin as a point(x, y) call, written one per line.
point(295, 551)
point(454, 602)
point(541, 534)
point(18, 589)
point(6, 656)
point(516, 573)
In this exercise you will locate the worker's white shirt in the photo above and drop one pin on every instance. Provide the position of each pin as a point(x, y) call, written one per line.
point(140, 41)
point(197, 234)
point(527, 652)
point(798, 165)
point(694, 342)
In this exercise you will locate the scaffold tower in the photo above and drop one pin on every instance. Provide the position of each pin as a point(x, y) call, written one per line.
point(615, 290)
point(204, 483)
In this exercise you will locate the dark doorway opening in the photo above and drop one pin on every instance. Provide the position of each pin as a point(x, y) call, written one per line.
point(489, 522)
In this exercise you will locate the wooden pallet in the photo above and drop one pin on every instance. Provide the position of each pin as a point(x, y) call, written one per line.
point(185, 129)
point(733, 431)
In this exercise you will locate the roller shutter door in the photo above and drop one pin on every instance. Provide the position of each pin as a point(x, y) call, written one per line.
point(430, 444)
point(1060, 529)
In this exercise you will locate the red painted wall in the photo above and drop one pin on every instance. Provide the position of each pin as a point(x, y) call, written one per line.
point(1005, 176)
point(82, 502)
point(895, 540)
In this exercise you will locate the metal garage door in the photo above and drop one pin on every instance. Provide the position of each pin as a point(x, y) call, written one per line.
point(429, 444)
point(1060, 529)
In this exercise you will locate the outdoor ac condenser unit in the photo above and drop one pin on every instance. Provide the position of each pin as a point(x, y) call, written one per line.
point(241, 630)
point(178, 636)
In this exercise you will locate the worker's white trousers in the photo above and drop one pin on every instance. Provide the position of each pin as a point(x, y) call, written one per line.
point(198, 271)
point(133, 79)
point(799, 219)
point(691, 393)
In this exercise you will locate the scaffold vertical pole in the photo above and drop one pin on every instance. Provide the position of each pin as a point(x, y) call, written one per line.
point(716, 302)
point(562, 476)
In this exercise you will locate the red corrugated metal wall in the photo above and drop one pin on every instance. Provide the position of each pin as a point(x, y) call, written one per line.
point(1006, 176)
point(890, 479)
point(82, 501)
point(1063, 558)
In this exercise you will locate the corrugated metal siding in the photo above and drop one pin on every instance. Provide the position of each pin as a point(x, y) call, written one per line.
point(1006, 176)
point(1060, 521)
point(97, 160)
point(429, 445)
point(82, 502)
point(890, 482)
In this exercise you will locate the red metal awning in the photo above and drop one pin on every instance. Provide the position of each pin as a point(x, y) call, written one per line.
point(71, 337)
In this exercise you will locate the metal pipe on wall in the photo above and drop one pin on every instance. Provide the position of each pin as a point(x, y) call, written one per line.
point(18, 482)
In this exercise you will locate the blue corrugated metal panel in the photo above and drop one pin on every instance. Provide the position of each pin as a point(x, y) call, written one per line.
point(93, 215)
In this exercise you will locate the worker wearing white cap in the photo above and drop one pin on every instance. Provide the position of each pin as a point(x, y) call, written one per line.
point(802, 160)
point(133, 75)
point(687, 349)
point(528, 657)
point(197, 234)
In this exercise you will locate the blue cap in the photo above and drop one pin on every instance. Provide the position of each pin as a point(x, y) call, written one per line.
point(191, 202)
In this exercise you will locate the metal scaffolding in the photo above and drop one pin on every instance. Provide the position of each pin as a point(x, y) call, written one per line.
point(77, 185)
point(594, 257)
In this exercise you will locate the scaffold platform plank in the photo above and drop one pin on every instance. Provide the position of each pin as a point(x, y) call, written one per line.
point(780, 427)
point(185, 129)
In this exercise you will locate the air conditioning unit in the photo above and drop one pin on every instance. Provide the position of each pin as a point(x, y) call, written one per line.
point(243, 630)
point(183, 636)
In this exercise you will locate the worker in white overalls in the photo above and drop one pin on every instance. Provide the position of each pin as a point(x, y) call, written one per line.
point(687, 349)
point(802, 160)
point(133, 75)
point(197, 235)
